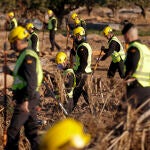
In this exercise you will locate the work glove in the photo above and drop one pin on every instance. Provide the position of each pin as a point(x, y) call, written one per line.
point(103, 48)
point(7, 70)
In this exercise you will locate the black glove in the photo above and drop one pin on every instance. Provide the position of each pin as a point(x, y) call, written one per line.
point(103, 48)
point(7, 70)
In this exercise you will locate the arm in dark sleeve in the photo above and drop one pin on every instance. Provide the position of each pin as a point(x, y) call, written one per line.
point(30, 76)
point(113, 46)
point(83, 54)
point(131, 62)
point(34, 40)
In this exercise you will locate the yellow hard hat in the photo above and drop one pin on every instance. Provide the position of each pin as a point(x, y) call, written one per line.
point(50, 12)
point(74, 15)
point(77, 21)
point(64, 134)
point(79, 30)
point(29, 26)
point(61, 57)
point(107, 30)
point(11, 14)
point(18, 33)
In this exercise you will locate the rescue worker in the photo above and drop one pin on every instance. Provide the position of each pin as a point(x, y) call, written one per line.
point(78, 21)
point(52, 27)
point(68, 77)
point(12, 22)
point(116, 51)
point(137, 74)
point(67, 134)
point(27, 76)
point(82, 67)
point(34, 39)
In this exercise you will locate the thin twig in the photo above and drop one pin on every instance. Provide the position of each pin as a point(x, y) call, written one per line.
point(125, 133)
point(143, 139)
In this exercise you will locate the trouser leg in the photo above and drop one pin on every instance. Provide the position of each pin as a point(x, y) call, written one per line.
point(18, 119)
point(53, 42)
point(51, 37)
point(112, 70)
point(31, 129)
point(80, 81)
point(88, 88)
point(121, 69)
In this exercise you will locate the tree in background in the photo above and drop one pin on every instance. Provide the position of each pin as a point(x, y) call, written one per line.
point(114, 5)
point(143, 5)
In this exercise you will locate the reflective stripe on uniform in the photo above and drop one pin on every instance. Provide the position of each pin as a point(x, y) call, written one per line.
point(88, 67)
point(19, 82)
point(50, 25)
point(70, 94)
point(142, 73)
point(117, 56)
point(30, 42)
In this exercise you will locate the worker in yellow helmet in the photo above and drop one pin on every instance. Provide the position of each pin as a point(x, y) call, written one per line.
point(78, 22)
point(116, 51)
point(12, 21)
point(34, 39)
point(68, 77)
point(27, 76)
point(137, 70)
point(82, 67)
point(52, 27)
point(67, 134)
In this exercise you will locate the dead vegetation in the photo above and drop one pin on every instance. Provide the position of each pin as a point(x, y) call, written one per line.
point(111, 128)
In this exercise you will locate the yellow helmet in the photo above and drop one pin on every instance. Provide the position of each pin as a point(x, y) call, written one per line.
point(18, 33)
point(50, 12)
point(64, 134)
point(74, 15)
point(11, 14)
point(29, 26)
point(79, 30)
point(77, 21)
point(107, 30)
point(61, 57)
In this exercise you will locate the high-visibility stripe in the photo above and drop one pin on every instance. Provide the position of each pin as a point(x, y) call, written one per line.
point(117, 56)
point(88, 67)
point(142, 73)
point(19, 82)
point(50, 25)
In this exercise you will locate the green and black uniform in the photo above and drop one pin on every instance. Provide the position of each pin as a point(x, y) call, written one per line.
point(52, 27)
point(137, 66)
point(34, 42)
point(27, 79)
point(13, 24)
point(82, 70)
point(115, 50)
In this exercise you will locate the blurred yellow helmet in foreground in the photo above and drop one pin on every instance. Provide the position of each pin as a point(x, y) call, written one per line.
point(50, 12)
point(11, 14)
point(61, 57)
point(18, 33)
point(65, 134)
point(74, 15)
point(107, 30)
point(79, 30)
point(29, 26)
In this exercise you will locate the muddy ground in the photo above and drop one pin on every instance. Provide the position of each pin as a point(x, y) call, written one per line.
point(111, 128)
